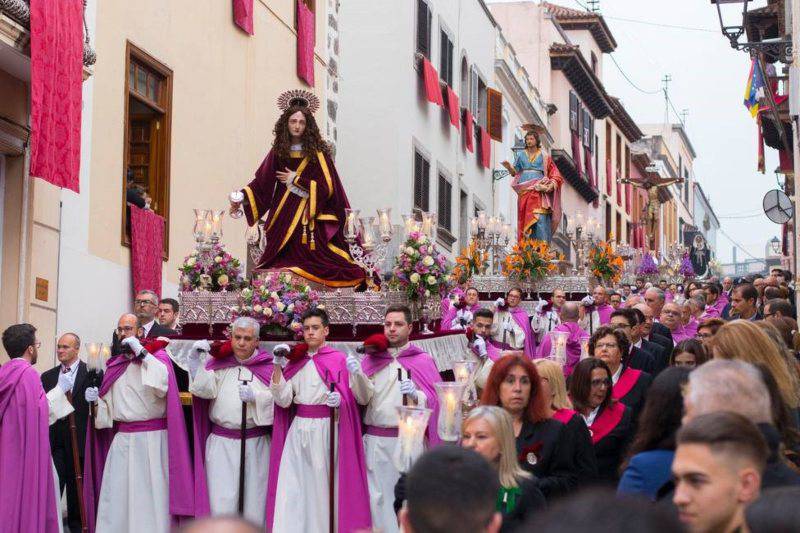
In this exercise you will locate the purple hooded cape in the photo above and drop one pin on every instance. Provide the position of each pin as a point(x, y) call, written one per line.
point(604, 312)
point(450, 314)
point(686, 331)
point(423, 373)
point(524, 321)
point(573, 348)
point(26, 469)
point(493, 349)
point(353, 511)
point(98, 442)
point(261, 366)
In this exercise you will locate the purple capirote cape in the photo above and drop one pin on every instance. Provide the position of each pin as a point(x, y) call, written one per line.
point(524, 321)
point(686, 331)
point(573, 348)
point(26, 472)
point(260, 365)
point(98, 442)
point(493, 349)
point(353, 511)
point(423, 373)
point(450, 314)
point(604, 312)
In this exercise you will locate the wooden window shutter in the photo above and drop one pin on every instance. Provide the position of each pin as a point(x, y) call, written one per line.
point(423, 29)
point(573, 111)
point(494, 114)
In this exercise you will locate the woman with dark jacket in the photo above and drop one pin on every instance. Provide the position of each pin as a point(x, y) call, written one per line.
point(649, 462)
point(555, 388)
point(610, 423)
point(542, 442)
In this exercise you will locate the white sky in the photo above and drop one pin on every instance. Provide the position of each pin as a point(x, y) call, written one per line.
point(708, 79)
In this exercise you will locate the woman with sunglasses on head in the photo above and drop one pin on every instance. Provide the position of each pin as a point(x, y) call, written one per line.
point(555, 388)
point(610, 422)
point(689, 353)
point(542, 446)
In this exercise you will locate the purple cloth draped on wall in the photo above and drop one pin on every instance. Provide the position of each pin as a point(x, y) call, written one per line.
point(26, 469)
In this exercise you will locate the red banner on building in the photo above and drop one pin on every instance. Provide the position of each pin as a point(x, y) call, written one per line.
point(452, 107)
point(243, 15)
point(306, 39)
point(147, 248)
point(469, 131)
point(56, 79)
point(430, 79)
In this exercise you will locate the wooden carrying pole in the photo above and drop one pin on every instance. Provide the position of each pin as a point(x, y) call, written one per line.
point(332, 469)
point(76, 464)
point(245, 377)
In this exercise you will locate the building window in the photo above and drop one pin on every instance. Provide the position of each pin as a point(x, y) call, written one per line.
point(463, 218)
point(588, 130)
point(424, 19)
point(446, 58)
point(686, 186)
point(148, 114)
point(422, 169)
point(464, 89)
point(478, 98)
point(445, 204)
point(573, 111)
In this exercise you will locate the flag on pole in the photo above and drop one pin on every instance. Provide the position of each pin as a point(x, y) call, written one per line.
point(754, 90)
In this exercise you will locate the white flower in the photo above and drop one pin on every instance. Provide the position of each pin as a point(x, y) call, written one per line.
point(218, 259)
point(194, 253)
point(274, 295)
point(223, 280)
point(321, 306)
point(414, 278)
point(431, 280)
point(409, 250)
point(191, 261)
point(427, 261)
point(281, 306)
point(290, 308)
point(257, 308)
point(427, 293)
point(423, 239)
point(247, 293)
point(267, 311)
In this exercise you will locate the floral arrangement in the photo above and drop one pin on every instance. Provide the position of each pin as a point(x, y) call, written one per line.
point(648, 266)
point(604, 263)
point(278, 300)
point(420, 269)
point(529, 260)
point(686, 269)
point(214, 270)
point(471, 261)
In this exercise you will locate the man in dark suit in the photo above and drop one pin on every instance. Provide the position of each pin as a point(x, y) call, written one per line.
point(67, 350)
point(637, 358)
point(639, 340)
point(648, 335)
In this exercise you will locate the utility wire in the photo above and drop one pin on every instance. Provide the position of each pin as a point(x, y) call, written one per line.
point(624, 75)
point(661, 25)
point(742, 248)
point(742, 216)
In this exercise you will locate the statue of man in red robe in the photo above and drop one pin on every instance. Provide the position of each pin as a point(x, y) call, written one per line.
point(298, 189)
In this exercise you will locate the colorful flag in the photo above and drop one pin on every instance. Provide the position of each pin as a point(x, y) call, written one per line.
point(754, 90)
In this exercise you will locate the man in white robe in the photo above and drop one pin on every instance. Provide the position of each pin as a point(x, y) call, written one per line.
point(218, 381)
point(380, 383)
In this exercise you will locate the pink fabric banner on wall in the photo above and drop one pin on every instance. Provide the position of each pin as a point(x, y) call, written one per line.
point(469, 131)
point(243, 15)
point(306, 39)
point(56, 89)
point(452, 107)
point(147, 248)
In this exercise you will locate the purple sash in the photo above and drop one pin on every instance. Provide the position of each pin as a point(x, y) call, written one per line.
point(524, 321)
point(26, 473)
point(312, 410)
point(142, 426)
point(98, 442)
point(377, 431)
point(606, 421)
point(353, 510)
point(261, 366)
point(236, 434)
point(423, 373)
point(625, 383)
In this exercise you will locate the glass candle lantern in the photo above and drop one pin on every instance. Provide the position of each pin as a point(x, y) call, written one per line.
point(449, 394)
point(464, 372)
point(558, 347)
point(411, 425)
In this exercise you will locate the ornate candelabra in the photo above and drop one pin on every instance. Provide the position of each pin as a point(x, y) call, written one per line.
point(370, 249)
point(491, 235)
point(581, 233)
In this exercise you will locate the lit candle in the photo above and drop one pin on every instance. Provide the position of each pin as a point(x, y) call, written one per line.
point(350, 227)
point(216, 222)
point(473, 227)
point(482, 219)
point(426, 224)
point(449, 394)
point(207, 229)
point(93, 355)
point(384, 223)
point(411, 425)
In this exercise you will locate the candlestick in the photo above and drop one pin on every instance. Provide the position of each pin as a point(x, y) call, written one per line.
point(464, 372)
point(351, 223)
point(385, 223)
point(216, 224)
point(368, 232)
point(482, 219)
point(449, 394)
point(411, 425)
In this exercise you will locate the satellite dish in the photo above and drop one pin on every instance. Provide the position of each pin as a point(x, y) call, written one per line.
point(778, 207)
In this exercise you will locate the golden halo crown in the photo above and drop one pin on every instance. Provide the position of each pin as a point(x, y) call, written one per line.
point(298, 97)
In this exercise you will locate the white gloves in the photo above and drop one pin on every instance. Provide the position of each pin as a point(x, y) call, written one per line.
point(587, 301)
point(508, 326)
point(334, 399)
point(195, 355)
point(407, 387)
point(463, 317)
point(279, 354)
point(500, 302)
point(353, 366)
point(246, 393)
point(540, 305)
point(134, 344)
point(92, 394)
point(479, 347)
point(66, 381)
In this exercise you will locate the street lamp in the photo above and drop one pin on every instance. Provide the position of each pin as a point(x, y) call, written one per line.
point(775, 246)
point(732, 22)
